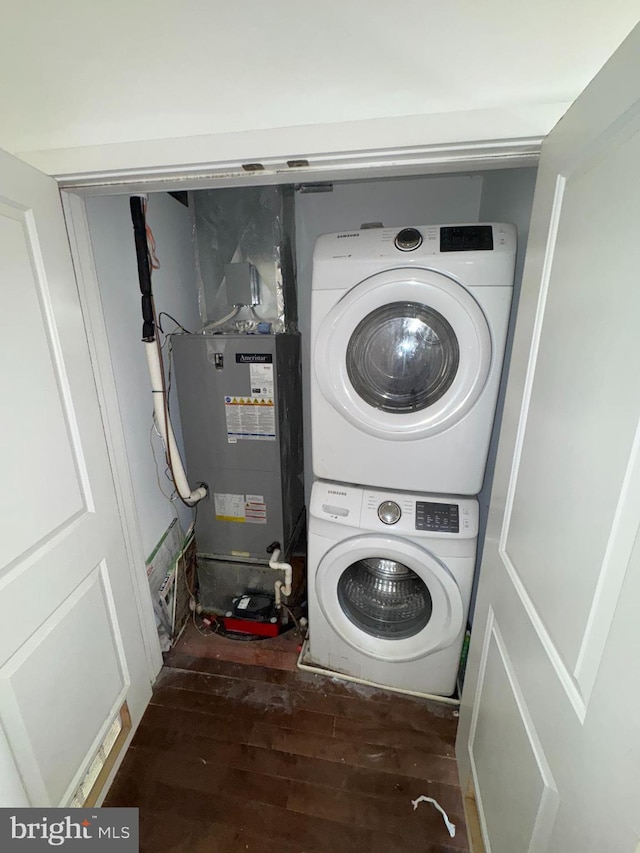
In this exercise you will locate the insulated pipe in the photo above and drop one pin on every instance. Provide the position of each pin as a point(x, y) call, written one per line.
point(160, 406)
point(166, 430)
point(136, 206)
point(281, 588)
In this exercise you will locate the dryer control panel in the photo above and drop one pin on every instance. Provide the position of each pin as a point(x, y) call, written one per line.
point(416, 244)
point(466, 238)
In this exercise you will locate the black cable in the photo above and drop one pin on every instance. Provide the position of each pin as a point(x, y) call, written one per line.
point(173, 320)
point(170, 347)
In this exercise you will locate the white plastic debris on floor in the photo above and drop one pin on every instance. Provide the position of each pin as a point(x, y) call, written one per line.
point(422, 799)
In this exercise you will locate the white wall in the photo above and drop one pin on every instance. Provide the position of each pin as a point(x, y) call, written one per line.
point(174, 287)
point(411, 201)
point(81, 79)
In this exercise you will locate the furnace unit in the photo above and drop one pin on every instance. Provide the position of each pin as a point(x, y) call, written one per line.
point(240, 407)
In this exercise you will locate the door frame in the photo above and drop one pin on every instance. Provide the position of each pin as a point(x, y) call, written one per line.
point(333, 165)
point(360, 165)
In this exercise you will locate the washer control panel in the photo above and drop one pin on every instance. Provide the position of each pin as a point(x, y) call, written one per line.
point(410, 514)
point(440, 517)
point(389, 512)
point(414, 514)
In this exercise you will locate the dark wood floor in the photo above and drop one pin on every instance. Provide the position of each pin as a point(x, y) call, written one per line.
point(241, 758)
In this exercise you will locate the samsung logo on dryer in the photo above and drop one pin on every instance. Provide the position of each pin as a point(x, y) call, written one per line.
point(254, 358)
point(355, 234)
point(334, 492)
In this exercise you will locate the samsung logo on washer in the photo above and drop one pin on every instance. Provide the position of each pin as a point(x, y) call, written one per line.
point(334, 492)
point(355, 234)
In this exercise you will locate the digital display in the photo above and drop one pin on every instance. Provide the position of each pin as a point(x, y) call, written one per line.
point(443, 518)
point(466, 238)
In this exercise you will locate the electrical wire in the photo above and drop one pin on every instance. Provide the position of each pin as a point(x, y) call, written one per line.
point(153, 429)
point(169, 344)
point(167, 473)
point(192, 593)
point(205, 633)
point(300, 631)
point(192, 596)
point(173, 320)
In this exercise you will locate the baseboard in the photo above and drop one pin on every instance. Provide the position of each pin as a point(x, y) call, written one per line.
point(472, 819)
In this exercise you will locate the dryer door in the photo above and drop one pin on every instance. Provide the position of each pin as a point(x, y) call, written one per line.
point(389, 598)
point(404, 354)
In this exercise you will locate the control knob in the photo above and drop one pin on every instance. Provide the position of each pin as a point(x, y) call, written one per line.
point(408, 239)
point(389, 512)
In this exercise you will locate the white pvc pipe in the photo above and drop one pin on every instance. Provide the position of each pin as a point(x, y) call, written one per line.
point(165, 429)
point(281, 588)
point(320, 670)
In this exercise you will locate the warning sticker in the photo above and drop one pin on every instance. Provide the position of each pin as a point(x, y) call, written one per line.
point(229, 507)
point(262, 380)
point(255, 510)
point(250, 508)
point(251, 418)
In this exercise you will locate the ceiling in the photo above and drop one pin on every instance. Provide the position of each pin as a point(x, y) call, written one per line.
point(78, 73)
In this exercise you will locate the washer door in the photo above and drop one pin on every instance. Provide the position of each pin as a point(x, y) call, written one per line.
point(404, 354)
point(388, 598)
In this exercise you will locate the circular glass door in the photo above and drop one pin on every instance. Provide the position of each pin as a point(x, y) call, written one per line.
point(388, 597)
point(404, 354)
point(384, 598)
point(402, 357)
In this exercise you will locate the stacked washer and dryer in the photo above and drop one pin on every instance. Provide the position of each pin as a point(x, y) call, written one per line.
point(408, 331)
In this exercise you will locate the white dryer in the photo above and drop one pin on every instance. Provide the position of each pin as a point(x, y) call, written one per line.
point(389, 585)
point(408, 330)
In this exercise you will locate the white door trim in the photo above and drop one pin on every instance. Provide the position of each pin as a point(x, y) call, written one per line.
point(331, 166)
point(429, 159)
point(89, 291)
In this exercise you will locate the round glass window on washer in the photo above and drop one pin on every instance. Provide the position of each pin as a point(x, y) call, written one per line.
point(402, 357)
point(384, 598)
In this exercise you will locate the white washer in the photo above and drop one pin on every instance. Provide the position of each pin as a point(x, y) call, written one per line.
point(408, 330)
point(389, 585)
